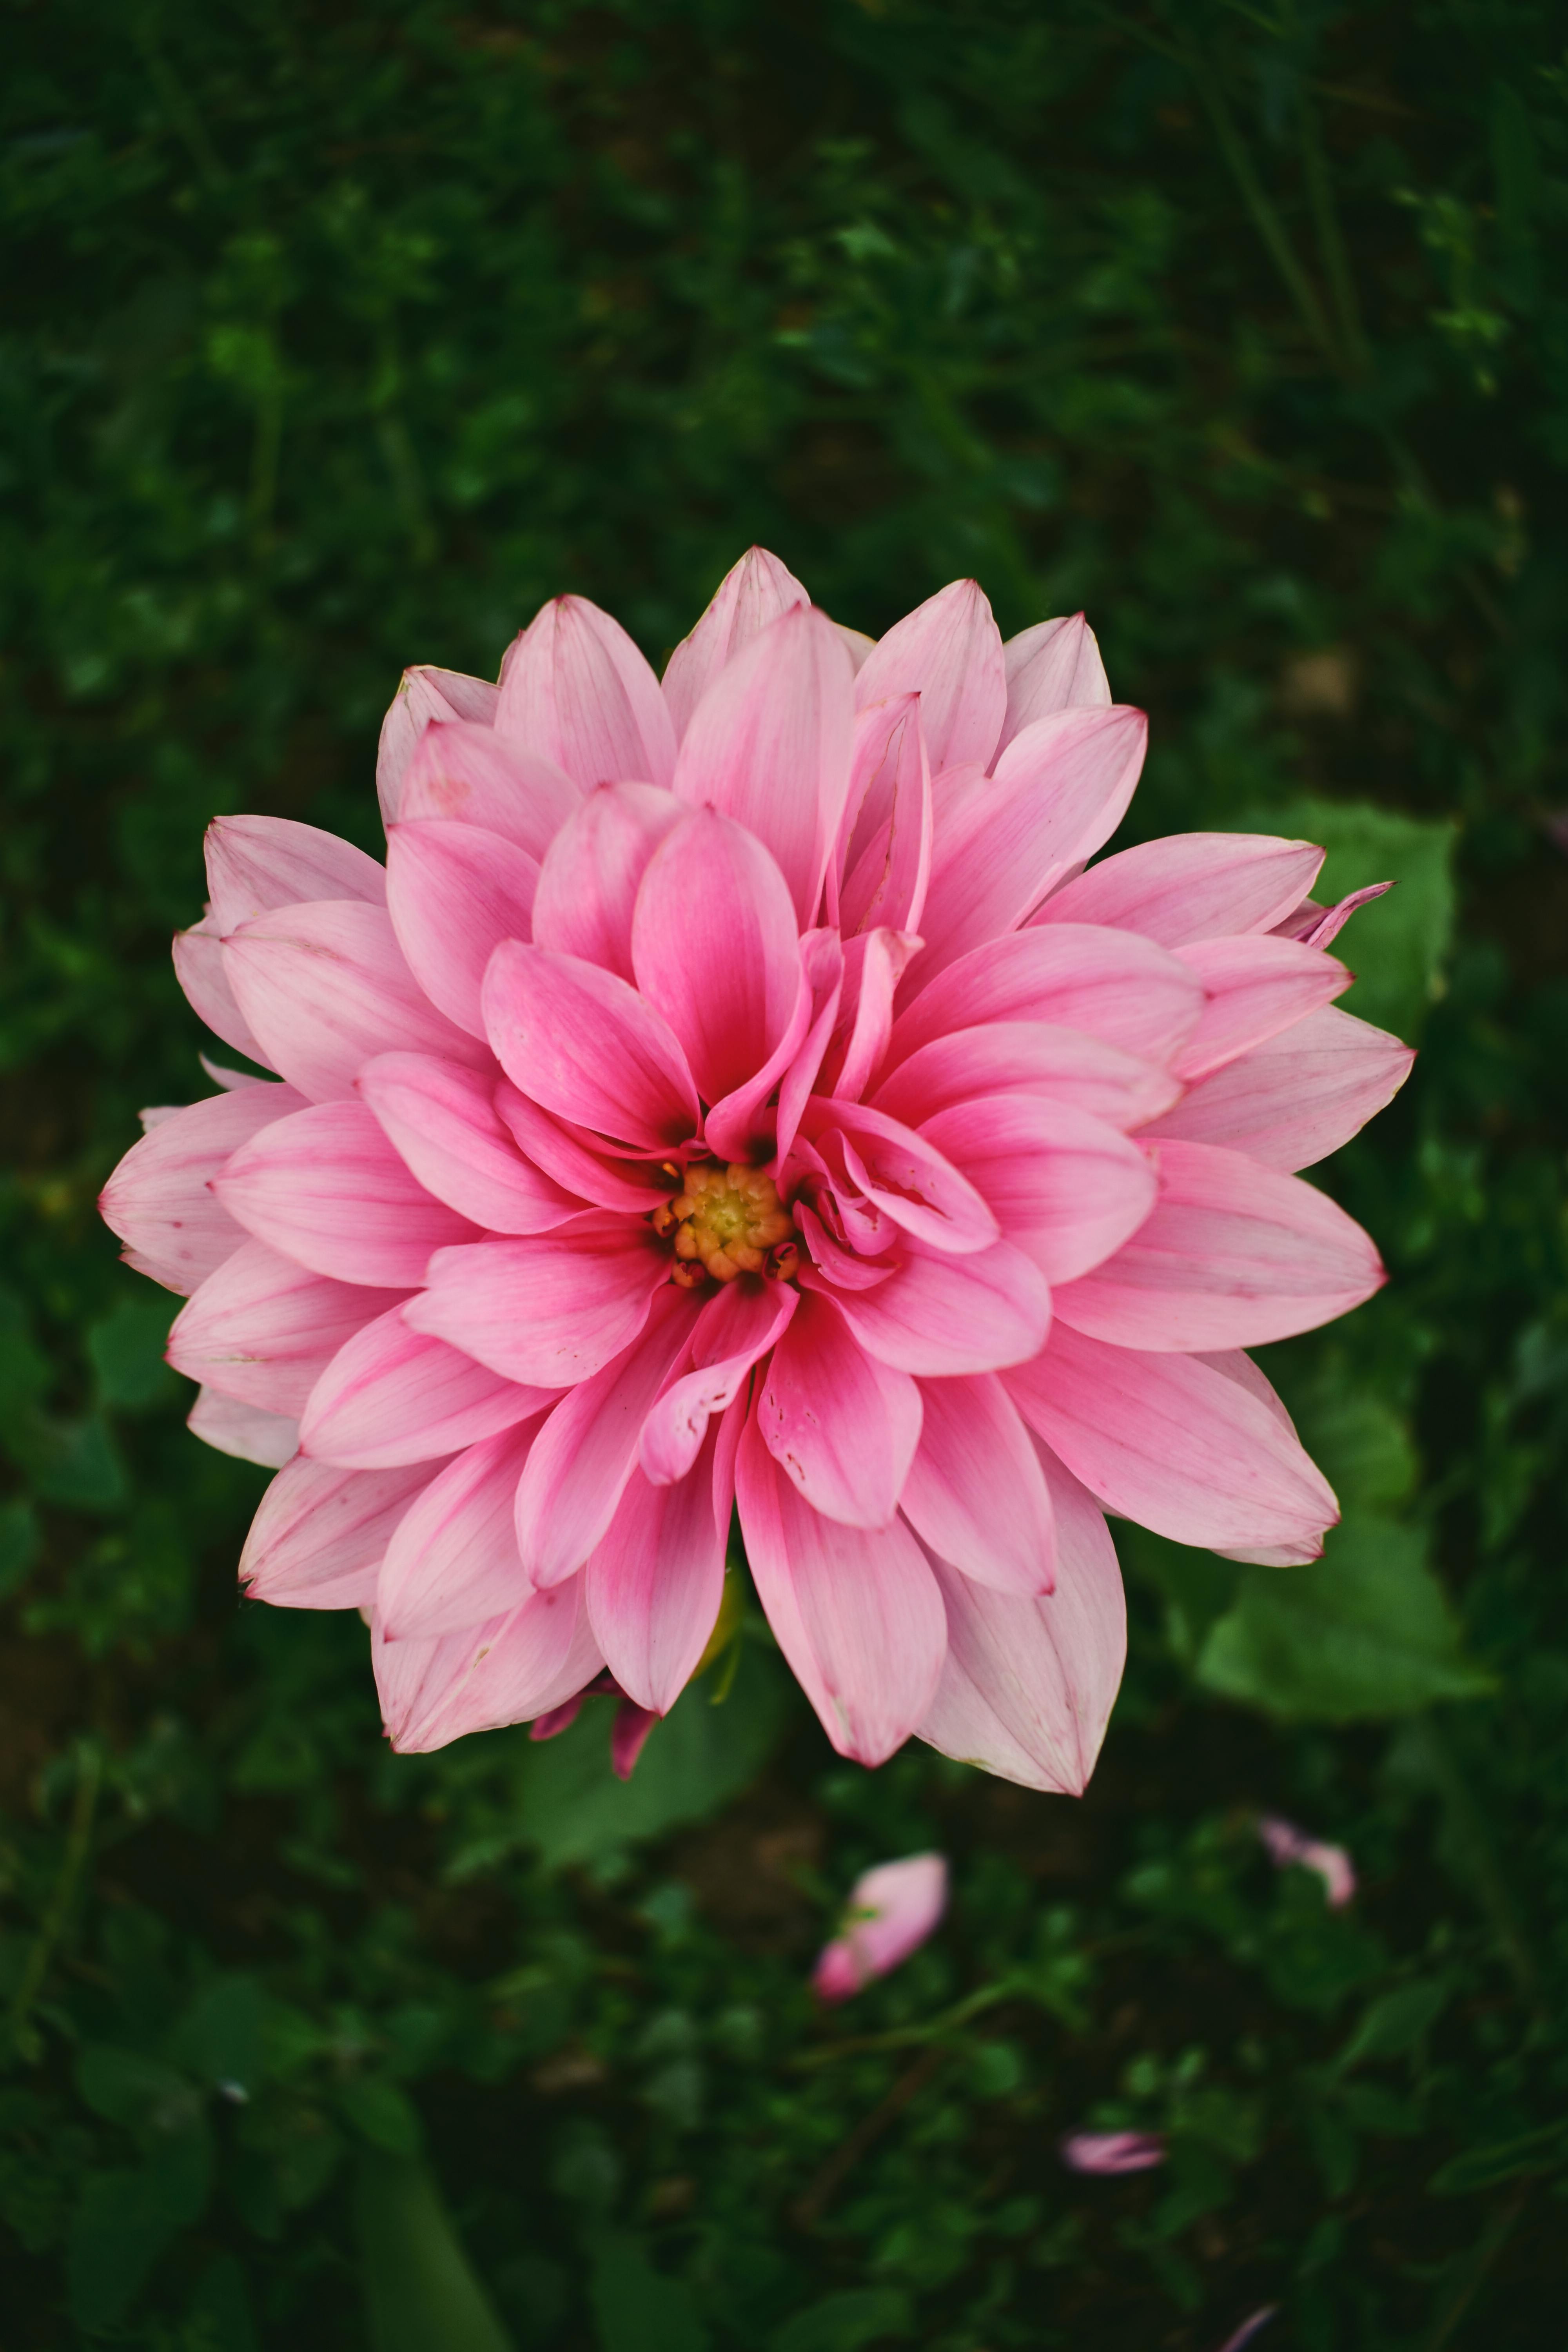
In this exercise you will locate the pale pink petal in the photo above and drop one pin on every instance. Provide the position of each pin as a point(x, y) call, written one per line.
point(588, 882)
point(258, 863)
point(242, 1430)
point(886, 860)
point(857, 1612)
point(715, 948)
point(975, 1493)
point(326, 1188)
point(856, 643)
point(1191, 885)
point(1254, 988)
point(443, 1122)
point(822, 961)
point(873, 966)
point(1113, 2153)
point(580, 1042)
point(735, 1329)
point(1319, 927)
point(752, 593)
point(391, 1395)
point(890, 1912)
point(949, 651)
point(1289, 1846)
point(325, 986)
point(1232, 1255)
point(199, 969)
point(1028, 1685)
point(565, 1158)
point(453, 1561)
point(319, 1535)
point(159, 1199)
point(223, 1076)
point(654, 1585)
point(425, 696)
point(937, 1315)
point(454, 892)
point(905, 1175)
point(550, 1308)
point(1173, 1443)
point(1110, 983)
point(467, 774)
point(1291, 1102)
point(262, 1330)
point(769, 745)
point(1062, 1184)
point(1055, 665)
point(743, 1124)
point(843, 1427)
point(1034, 1057)
point(1001, 842)
point(574, 689)
point(577, 1473)
point(1250, 2328)
point(488, 1676)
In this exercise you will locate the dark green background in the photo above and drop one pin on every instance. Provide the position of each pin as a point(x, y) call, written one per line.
point(336, 338)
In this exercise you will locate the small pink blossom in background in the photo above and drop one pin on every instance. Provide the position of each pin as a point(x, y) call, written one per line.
point(1249, 2328)
point(1287, 1845)
point(1112, 2152)
point(890, 1912)
point(754, 1091)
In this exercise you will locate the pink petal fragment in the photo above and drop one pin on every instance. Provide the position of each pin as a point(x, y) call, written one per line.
point(550, 1308)
point(199, 969)
point(937, 1315)
point(715, 948)
point(319, 1536)
point(1191, 885)
point(467, 774)
point(975, 1493)
point(242, 1430)
point(1319, 927)
point(1028, 1685)
point(842, 1427)
point(1232, 1255)
point(324, 986)
point(752, 593)
point(454, 892)
point(424, 698)
point(949, 651)
point(258, 863)
point(159, 1199)
point(1034, 1057)
point(1291, 1102)
point(579, 1042)
point(442, 1121)
point(769, 745)
point(890, 1912)
point(735, 1329)
point(654, 1585)
point(1289, 1847)
point(453, 1561)
point(574, 689)
point(326, 1188)
point(516, 1666)
point(886, 859)
point(1110, 983)
point(857, 1612)
point(391, 1396)
point(589, 880)
point(1055, 665)
point(262, 1330)
point(1113, 2153)
point(565, 1157)
point(1254, 988)
point(1173, 1443)
point(1063, 1185)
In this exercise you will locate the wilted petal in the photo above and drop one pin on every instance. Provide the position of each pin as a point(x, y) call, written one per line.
point(326, 1188)
point(453, 1561)
point(243, 1430)
point(581, 1043)
point(1055, 665)
point(454, 892)
point(574, 688)
point(589, 880)
point(319, 1536)
point(442, 1120)
point(391, 1396)
point(470, 776)
point(949, 651)
point(159, 1199)
point(425, 696)
point(1319, 927)
point(1292, 1101)
point(1191, 885)
point(975, 1493)
point(843, 1427)
point(752, 593)
point(262, 1330)
point(889, 1913)
point(550, 1308)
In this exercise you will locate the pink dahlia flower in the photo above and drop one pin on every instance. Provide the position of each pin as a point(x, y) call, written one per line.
point(1288, 1847)
point(742, 1092)
point(890, 1912)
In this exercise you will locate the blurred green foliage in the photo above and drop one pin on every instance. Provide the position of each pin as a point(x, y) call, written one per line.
point(338, 338)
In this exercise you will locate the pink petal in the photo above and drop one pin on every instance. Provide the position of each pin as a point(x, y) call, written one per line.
point(975, 1493)
point(454, 892)
point(425, 696)
point(579, 1042)
point(654, 1585)
point(258, 863)
point(628, 1737)
point(1113, 2153)
point(843, 1427)
point(890, 1912)
point(906, 1176)
point(769, 746)
point(1028, 1685)
point(1291, 1102)
point(326, 1188)
point(262, 1330)
point(1063, 1185)
point(319, 1534)
point(453, 1561)
point(743, 1124)
point(242, 1430)
point(873, 963)
point(467, 774)
point(1028, 1057)
point(199, 969)
point(716, 949)
point(949, 651)
point(588, 882)
point(735, 1329)
point(229, 1080)
point(578, 1470)
point(857, 1613)
point(325, 986)
point(1055, 665)
point(1289, 1847)
point(550, 1308)
point(1232, 1255)
point(442, 1120)
point(1253, 989)
point(856, 643)
point(1061, 788)
point(1110, 983)
point(503, 1672)
point(822, 961)
point(566, 1160)
point(574, 689)
point(391, 1395)
point(1191, 885)
point(886, 858)
point(939, 1316)
point(752, 593)
point(159, 1199)
point(1173, 1443)
point(1319, 927)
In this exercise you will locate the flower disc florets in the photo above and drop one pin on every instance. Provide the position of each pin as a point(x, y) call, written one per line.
point(724, 1221)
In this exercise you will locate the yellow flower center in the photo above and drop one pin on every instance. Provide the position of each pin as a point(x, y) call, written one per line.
point(725, 1221)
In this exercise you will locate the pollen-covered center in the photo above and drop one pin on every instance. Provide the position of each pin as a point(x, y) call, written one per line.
point(725, 1221)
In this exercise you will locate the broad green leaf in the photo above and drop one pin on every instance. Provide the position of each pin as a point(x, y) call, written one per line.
point(126, 1351)
point(420, 2293)
point(1395, 2022)
point(124, 2221)
point(843, 2323)
point(382, 2114)
point(71, 1462)
point(219, 2037)
point(636, 2307)
point(139, 2092)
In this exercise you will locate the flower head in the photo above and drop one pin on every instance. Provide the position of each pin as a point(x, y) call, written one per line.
point(745, 1092)
point(1112, 2152)
point(890, 1912)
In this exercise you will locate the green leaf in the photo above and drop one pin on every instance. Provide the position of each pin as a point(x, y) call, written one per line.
point(1365, 1632)
point(843, 2323)
point(24, 1367)
point(72, 1461)
point(140, 2092)
point(219, 2037)
point(1544, 2150)
point(125, 2221)
point(382, 2114)
point(636, 2307)
point(20, 1538)
point(126, 1352)
point(1395, 2022)
point(420, 2293)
